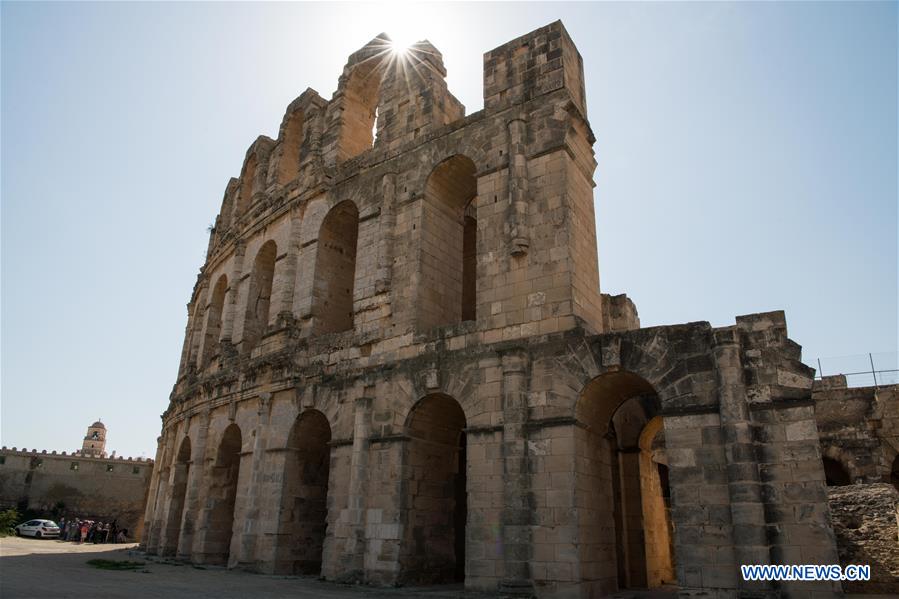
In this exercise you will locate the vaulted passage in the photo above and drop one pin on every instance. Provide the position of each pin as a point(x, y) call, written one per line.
point(360, 109)
point(835, 473)
point(222, 497)
point(436, 500)
point(447, 288)
point(259, 295)
point(894, 473)
point(304, 507)
point(623, 499)
point(181, 469)
point(335, 270)
point(214, 320)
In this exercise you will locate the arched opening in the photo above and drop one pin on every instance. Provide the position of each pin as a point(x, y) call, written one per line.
point(656, 496)
point(436, 493)
point(894, 473)
point(335, 270)
point(247, 183)
point(623, 501)
point(259, 295)
point(835, 474)
point(181, 470)
point(214, 319)
point(360, 110)
point(222, 497)
point(304, 507)
point(289, 165)
point(448, 284)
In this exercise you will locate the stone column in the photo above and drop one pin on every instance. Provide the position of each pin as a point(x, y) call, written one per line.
point(357, 501)
point(251, 522)
point(151, 539)
point(517, 515)
point(519, 240)
point(384, 272)
point(230, 307)
point(288, 280)
point(747, 506)
point(632, 517)
point(195, 488)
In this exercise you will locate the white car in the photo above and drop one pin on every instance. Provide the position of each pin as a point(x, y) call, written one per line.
point(38, 529)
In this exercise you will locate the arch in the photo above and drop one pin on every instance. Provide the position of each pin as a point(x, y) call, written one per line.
point(335, 269)
point(222, 495)
point(360, 109)
point(289, 164)
point(448, 284)
point(621, 487)
point(247, 186)
point(214, 314)
point(302, 520)
point(656, 496)
point(835, 473)
point(259, 295)
point(433, 550)
point(179, 476)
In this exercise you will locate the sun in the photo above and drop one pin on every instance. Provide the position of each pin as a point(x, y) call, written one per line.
point(400, 44)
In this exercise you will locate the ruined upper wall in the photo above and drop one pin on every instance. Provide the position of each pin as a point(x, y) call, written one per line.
point(329, 229)
point(541, 62)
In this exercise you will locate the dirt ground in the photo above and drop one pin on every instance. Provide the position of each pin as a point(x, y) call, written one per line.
point(49, 568)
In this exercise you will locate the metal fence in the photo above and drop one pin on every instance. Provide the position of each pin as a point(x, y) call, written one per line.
point(861, 370)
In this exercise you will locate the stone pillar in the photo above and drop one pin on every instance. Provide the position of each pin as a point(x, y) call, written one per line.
point(354, 516)
point(150, 541)
point(632, 518)
point(230, 307)
point(517, 515)
point(251, 528)
point(284, 307)
point(744, 487)
point(384, 272)
point(519, 240)
point(195, 488)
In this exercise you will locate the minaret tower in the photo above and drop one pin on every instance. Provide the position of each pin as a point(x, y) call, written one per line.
point(95, 441)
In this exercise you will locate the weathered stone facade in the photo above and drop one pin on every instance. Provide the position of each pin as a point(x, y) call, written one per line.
point(398, 366)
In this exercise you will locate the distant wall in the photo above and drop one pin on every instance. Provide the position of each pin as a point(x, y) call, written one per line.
point(94, 488)
point(858, 427)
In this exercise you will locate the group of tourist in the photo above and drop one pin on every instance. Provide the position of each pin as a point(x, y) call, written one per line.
point(90, 531)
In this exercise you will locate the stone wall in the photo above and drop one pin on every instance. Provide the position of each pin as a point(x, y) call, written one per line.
point(865, 520)
point(485, 414)
point(859, 429)
point(88, 487)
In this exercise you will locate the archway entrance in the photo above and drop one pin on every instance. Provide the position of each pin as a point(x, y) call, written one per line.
point(181, 469)
point(624, 510)
point(835, 474)
point(448, 286)
point(222, 497)
point(436, 493)
point(335, 270)
point(304, 509)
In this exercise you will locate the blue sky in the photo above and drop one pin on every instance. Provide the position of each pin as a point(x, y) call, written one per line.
point(747, 162)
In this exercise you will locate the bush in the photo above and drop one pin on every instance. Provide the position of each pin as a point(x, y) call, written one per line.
point(8, 520)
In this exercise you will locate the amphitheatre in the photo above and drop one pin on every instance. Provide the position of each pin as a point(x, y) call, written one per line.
point(399, 369)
